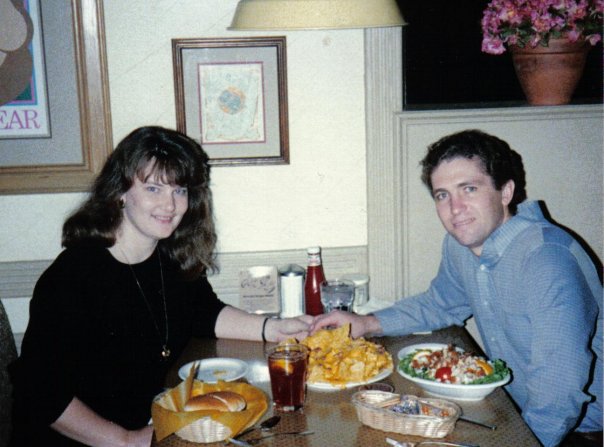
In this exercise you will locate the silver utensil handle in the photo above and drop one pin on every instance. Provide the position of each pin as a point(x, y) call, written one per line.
point(245, 432)
point(482, 424)
point(441, 443)
point(301, 433)
point(238, 442)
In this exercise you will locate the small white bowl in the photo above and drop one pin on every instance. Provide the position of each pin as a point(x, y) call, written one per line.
point(448, 390)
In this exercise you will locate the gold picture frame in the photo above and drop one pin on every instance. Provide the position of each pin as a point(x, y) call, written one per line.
point(94, 114)
point(231, 97)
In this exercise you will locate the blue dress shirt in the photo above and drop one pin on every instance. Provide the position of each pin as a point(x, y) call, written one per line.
point(536, 298)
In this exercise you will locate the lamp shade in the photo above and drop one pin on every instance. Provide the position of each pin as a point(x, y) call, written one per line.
point(315, 14)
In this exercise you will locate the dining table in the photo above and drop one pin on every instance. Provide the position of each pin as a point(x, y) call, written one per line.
point(331, 415)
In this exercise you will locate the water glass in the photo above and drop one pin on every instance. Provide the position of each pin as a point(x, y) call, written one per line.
point(337, 294)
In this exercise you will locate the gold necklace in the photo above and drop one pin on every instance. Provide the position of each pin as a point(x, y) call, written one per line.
point(165, 352)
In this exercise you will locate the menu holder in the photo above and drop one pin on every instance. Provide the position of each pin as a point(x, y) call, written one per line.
point(259, 290)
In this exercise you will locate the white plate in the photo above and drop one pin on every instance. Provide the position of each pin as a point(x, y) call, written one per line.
point(448, 390)
point(213, 370)
point(325, 386)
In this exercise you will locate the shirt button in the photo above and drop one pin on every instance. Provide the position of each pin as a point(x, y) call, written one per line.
point(483, 267)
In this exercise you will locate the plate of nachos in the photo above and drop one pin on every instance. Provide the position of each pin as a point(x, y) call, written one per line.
point(337, 361)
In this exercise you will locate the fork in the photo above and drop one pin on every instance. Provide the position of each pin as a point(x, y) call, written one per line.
point(419, 444)
point(270, 435)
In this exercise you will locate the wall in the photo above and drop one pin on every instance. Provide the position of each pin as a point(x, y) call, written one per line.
point(319, 198)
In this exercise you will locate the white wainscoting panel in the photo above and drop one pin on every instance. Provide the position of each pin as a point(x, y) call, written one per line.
point(561, 149)
point(17, 279)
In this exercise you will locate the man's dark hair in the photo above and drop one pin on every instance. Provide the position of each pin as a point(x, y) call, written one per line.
point(499, 160)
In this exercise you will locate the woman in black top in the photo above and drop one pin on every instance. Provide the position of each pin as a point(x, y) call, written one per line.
point(118, 305)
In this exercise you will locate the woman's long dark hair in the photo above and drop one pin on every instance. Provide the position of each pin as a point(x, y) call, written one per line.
point(175, 158)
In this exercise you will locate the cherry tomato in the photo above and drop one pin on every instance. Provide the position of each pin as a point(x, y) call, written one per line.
point(443, 374)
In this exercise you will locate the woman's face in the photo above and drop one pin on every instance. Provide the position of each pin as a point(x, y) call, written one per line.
point(153, 209)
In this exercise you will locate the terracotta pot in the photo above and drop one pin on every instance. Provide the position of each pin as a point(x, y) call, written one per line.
point(549, 75)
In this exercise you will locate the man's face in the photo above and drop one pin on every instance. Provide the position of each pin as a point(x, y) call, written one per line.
point(467, 203)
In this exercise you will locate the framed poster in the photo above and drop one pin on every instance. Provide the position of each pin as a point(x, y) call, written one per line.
point(73, 153)
point(231, 97)
point(23, 98)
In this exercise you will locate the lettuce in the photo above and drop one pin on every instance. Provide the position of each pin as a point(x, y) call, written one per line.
point(500, 371)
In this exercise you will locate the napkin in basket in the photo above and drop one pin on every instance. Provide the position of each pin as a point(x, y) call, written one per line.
point(169, 417)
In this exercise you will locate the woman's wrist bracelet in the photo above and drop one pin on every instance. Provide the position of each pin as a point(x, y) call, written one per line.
point(264, 329)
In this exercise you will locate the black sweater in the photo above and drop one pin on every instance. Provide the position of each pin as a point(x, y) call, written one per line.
point(91, 336)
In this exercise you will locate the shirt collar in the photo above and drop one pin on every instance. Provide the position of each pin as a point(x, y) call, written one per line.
point(502, 237)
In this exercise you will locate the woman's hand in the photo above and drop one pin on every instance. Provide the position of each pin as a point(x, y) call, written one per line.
point(282, 329)
point(360, 324)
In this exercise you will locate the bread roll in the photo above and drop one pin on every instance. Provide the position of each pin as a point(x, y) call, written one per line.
point(216, 401)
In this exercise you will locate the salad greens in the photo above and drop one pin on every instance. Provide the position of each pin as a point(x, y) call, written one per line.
point(500, 370)
point(405, 366)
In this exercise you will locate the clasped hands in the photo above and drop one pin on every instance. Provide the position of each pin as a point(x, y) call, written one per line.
point(305, 325)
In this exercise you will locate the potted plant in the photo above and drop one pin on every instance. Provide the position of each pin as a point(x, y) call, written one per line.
point(548, 39)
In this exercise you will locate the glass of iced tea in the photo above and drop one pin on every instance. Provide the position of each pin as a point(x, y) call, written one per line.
point(287, 366)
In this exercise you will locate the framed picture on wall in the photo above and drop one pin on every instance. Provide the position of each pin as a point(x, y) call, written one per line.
point(231, 97)
point(23, 97)
point(67, 155)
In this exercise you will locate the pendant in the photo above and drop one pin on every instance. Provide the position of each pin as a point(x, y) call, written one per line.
point(165, 352)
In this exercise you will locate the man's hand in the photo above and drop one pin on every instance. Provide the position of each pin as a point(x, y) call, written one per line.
point(360, 324)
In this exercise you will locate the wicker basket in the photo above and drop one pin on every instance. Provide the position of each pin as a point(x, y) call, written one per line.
point(202, 427)
point(204, 430)
point(371, 411)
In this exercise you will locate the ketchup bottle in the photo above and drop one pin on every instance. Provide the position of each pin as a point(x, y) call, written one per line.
point(312, 284)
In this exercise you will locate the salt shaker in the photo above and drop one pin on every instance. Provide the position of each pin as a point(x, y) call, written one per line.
point(291, 282)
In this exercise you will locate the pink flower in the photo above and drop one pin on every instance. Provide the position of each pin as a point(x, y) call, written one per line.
point(534, 22)
point(573, 35)
point(492, 46)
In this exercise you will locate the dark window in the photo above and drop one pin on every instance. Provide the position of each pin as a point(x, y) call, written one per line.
point(443, 66)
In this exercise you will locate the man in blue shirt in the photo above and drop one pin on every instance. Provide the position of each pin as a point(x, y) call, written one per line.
point(534, 292)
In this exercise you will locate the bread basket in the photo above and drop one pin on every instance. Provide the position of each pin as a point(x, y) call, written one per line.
point(204, 430)
point(371, 407)
point(205, 426)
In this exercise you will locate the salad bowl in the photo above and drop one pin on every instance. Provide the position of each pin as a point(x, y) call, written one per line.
point(456, 391)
